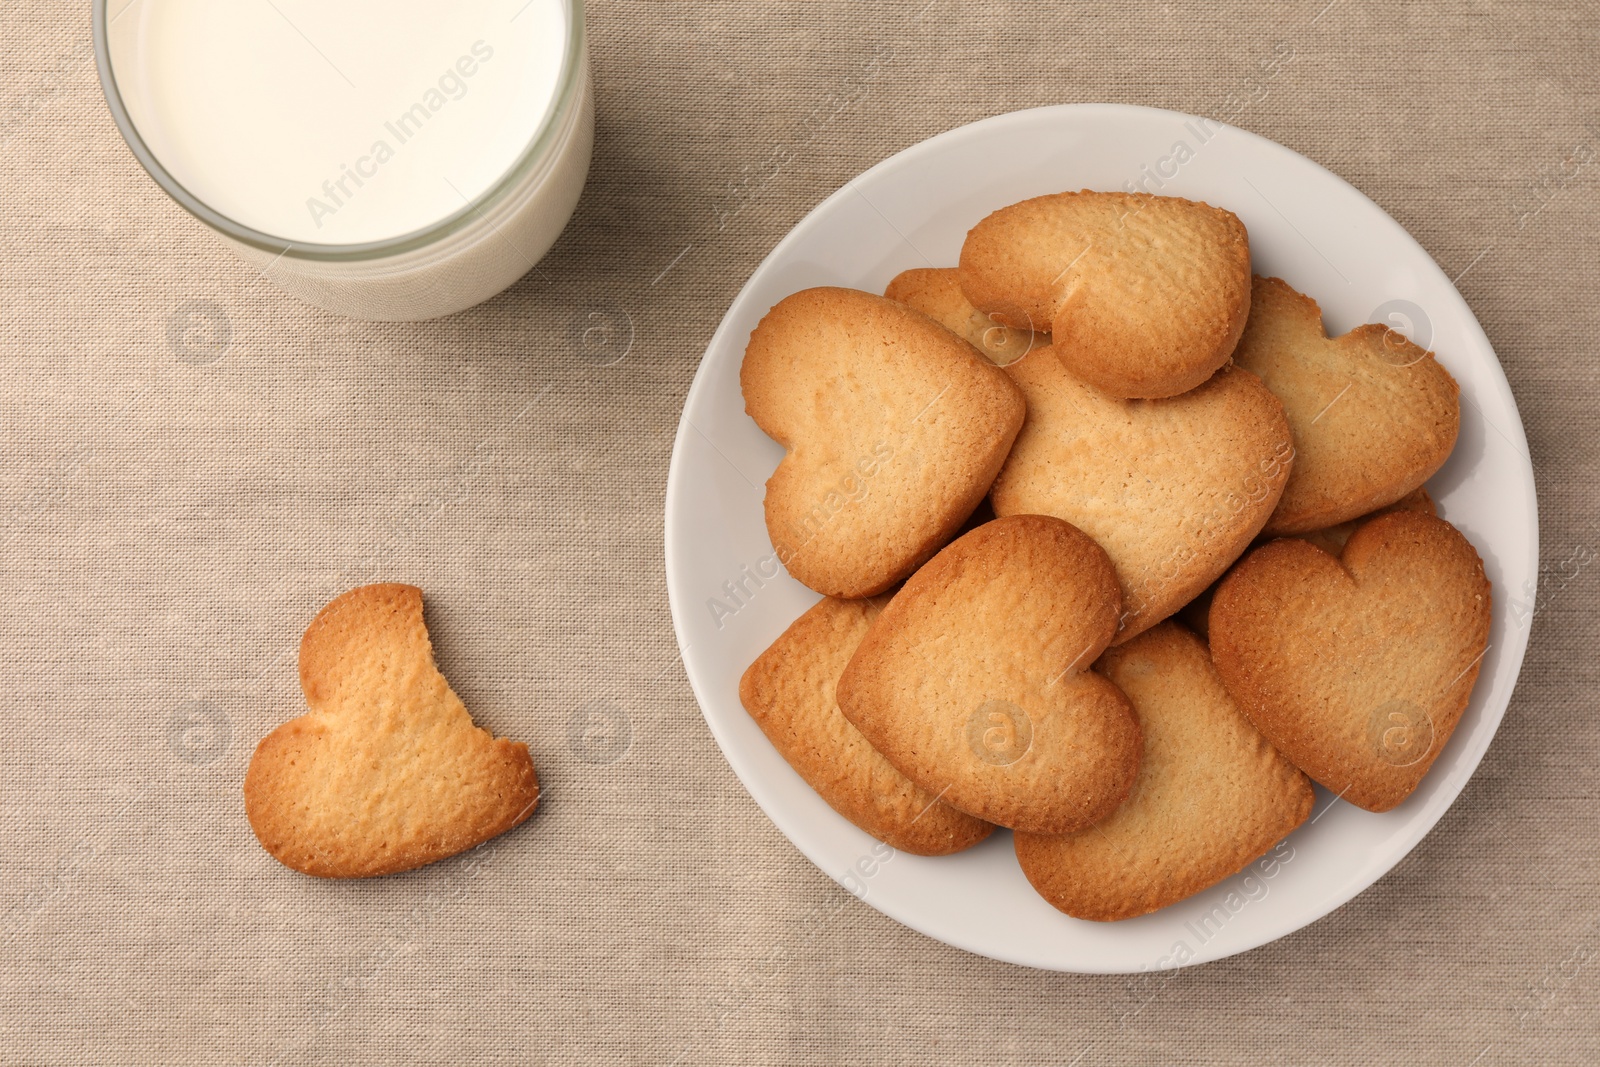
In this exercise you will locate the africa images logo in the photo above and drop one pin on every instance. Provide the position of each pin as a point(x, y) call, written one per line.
point(999, 732)
point(1401, 733)
point(452, 85)
point(852, 488)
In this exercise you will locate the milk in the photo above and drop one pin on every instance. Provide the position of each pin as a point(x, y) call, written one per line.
point(338, 123)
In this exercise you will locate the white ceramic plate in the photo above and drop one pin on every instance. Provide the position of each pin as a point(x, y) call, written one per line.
point(730, 599)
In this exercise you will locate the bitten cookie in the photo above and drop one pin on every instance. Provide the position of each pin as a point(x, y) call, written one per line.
point(1357, 668)
point(894, 429)
point(936, 292)
point(1373, 415)
point(386, 772)
point(1196, 614)
point(789, 691)
point(1174, 490)
point(1211, 794)
point(975, 681)
point(1143, 296)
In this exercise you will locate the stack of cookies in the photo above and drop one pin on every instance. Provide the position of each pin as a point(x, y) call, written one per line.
point(1011, 480)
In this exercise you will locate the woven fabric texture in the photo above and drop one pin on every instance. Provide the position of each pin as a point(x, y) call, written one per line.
point(194, 463)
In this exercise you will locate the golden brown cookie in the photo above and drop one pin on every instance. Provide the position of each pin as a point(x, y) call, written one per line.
point(936, 292)
point(1211, 794)
point(1373, 415)
point(975, 681)
point(1356, 667)
point(1143, 296)
point(894, 429)
point(789, 691)
point(1196, 614)
point(386, 772)
point(1174, 490)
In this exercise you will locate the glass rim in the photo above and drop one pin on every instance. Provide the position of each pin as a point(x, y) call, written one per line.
point(567, 86)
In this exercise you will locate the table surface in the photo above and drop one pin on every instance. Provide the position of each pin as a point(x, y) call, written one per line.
point(195, 463)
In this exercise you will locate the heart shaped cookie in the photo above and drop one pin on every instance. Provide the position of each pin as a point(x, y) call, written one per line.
point(789, 691)
point(1143, 296)
point(1211, 794)
point(1197, 613)
point(1373, 415)
point(894, 429)
point(1174, 490)
point(1356, 668)
point(386, 772)
point(936, 292)
point(974, 682)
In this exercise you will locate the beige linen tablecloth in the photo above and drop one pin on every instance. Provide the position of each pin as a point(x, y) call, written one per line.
point(193, 464)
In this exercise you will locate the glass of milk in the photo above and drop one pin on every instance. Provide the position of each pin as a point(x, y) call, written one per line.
point(382, 159)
